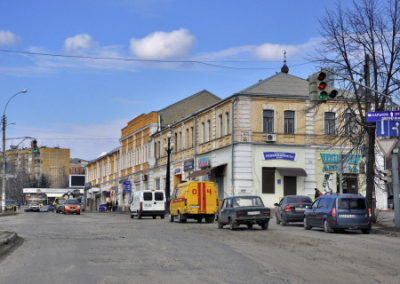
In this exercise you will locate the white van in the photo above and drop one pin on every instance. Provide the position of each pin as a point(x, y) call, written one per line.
point(148, 203)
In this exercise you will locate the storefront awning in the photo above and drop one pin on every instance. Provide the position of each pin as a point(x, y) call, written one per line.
point(201, 172)
point(292, 172)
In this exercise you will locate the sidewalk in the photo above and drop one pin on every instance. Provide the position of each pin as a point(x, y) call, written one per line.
point(385, 223)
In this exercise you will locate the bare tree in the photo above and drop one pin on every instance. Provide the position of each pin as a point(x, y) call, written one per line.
point(362, 42)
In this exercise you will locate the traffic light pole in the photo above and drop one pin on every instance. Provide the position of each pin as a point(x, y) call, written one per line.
point(396, 187)
point(3, 166)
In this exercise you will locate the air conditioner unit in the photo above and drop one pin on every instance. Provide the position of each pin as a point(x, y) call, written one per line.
point(271, 137)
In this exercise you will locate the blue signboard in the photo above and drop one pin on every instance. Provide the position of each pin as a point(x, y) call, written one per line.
point(375, 116)
point(127, 187)
point(335, 158)
point(387, 128)
point(279, 155)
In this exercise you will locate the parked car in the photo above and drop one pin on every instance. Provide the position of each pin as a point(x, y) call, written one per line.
point(291, 208)
point(247, 210)
point(34, 206)
point(59, 205)
point(10, 205)
point(148, 203)
point(47, 208)
point(71, 206)
point(339, 212)
point(194, 200)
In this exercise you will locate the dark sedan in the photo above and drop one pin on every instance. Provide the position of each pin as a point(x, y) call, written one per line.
point(291, 209)
point(247, 210)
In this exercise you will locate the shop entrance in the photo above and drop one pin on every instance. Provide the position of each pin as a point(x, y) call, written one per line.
point(289, 185)
point(350, 184)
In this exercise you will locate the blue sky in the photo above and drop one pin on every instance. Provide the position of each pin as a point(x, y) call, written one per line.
point(81, 100)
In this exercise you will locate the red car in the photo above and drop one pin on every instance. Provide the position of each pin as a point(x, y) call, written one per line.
point(71, 206)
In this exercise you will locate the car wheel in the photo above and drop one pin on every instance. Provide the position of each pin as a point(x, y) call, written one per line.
point(154, 217)
point(220, 225)
point(132, 216)
point(249, 226)
point(199, 220)
point(180, 218)
point(264, 226)
point(139, 215)
point(232, 225)
point(283, 222)
point(162, 216)
point(306, 226)
point(327, 227)
point(277, 219)
point(78, 213)
point(171, 218)
point(366, 231)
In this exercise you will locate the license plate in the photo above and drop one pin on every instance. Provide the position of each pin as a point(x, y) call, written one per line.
point(347, 216)
point(253, 213)
point(147, 205)
point(194, 206)
point(300, 209)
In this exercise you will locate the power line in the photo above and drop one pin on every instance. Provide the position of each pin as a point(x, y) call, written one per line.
point(205, 62)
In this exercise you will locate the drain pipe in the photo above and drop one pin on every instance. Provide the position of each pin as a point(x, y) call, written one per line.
point(232, 143)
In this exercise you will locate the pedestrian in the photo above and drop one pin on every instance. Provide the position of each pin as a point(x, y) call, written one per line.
point(317, 193)
point(108, 206)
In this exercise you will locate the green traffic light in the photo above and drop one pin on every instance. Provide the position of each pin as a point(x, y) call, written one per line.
point(333, 94)
point(323, 95)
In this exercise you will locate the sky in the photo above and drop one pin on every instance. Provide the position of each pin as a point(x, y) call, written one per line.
point(91, 66)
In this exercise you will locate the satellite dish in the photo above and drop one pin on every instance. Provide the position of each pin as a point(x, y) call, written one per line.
point(152, 161)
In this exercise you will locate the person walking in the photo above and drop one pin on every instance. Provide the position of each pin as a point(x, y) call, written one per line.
point(317, 193)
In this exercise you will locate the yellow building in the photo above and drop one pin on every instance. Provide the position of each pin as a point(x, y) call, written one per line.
point(52, 162)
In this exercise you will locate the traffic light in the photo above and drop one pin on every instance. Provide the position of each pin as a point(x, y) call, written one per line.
point(387, 176)
point(318, 88)
point(34, 145)
point(353, 136)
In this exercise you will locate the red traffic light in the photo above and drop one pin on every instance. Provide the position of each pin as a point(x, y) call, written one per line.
point(322, 86)
point(321, 76)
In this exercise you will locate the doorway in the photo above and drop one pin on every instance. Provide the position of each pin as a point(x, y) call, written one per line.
point(289, 185)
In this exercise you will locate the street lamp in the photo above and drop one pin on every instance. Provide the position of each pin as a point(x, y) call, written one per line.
point(3, 159)
point(168, 148)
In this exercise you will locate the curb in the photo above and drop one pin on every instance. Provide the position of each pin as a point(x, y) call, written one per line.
point(9, 214)
point(10, 239)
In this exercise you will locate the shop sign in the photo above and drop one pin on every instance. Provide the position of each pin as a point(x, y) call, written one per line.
point(127, 187)
point(280, 156)
point(178, 171)
point(335, 158)
point(189, 165)
point(136, 178)
point(107, 194)
point(334, 168)
point(122, 181)
point(203, 162)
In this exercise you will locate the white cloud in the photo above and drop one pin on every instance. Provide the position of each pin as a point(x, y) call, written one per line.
point(270, 51)
point(8, 38)
point(78, 42)
point(162, 45)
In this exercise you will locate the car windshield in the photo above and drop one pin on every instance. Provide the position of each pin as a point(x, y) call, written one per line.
point(60, 201)
point(35, 204)
point(247, 201)
point(299, 199)
point(351, 203)
point(72, 201)
point(10, 202)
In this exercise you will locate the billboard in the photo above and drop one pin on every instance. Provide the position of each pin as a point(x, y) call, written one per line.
point(77, 181)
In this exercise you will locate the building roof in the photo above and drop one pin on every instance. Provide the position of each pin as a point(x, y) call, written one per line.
point(281, 84)
point(116, 149)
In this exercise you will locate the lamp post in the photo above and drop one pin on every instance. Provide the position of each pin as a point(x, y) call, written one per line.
point(3, 158)
point(168, 147)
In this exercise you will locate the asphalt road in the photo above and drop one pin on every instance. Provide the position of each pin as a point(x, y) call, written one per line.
point(112, 248)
